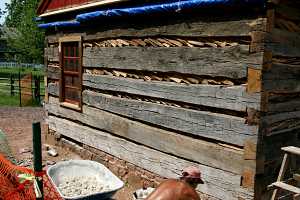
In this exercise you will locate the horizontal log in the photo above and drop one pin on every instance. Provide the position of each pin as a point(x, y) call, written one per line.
point(287, 106)
point(229, 62)
point(232, 97)
point(53, 89)
point(282, 78)
point(270, 119)
point(197, 26)
point(53, 73)
point(224, 128)
point(207, 153)
point(218, 183)
point(279, 42)
point(52, 54)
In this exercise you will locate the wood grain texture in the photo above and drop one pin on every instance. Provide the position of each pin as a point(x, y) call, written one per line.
point(53, 72)
point(279, 42)
point(52, 54)
point(283, 102)
point(231, 97)
point(218, 183)
point(282, 78)
point(224, 128)
point(53, 89)
point(229, 62)
point(208, 153)
point(197, 26)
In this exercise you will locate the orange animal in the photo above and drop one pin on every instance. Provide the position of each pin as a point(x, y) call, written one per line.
point(183, 189)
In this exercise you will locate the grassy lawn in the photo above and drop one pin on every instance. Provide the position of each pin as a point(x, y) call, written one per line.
point(5, 72)
point(5, 98)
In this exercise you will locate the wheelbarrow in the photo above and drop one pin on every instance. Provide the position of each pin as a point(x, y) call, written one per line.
point(76, 170)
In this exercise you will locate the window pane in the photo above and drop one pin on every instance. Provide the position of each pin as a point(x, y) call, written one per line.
point(72, 81)
point(66, 51)
point(72, 94)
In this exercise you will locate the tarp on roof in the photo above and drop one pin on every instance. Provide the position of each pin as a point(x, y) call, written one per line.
point(169, 7)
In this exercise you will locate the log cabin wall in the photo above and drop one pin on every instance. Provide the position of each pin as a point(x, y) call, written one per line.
point(280, 88)
point(168, 94)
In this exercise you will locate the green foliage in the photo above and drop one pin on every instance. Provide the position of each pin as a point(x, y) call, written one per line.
point(28, 40)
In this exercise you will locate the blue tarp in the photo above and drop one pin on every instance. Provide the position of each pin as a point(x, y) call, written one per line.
point(170, 6)
point(60, 24)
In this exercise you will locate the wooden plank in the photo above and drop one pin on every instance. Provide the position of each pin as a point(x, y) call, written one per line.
point(254, 83)
point(52, 54)
point(216, 126)
point(197, 150)
point(292, 150)
point(231, 97)
point(270, 119)
point(282, 78)
point(53, 73)
point(218, 183)
point(229, 62)
point(183, 26)
point(279, 42)
point(283, 103)
point(287, 187)
point(53, 89)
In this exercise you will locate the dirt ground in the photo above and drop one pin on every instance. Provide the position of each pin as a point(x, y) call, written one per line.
point(16, 123)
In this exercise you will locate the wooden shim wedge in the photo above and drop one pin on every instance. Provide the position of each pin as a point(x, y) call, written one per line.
point(197, 150)
point(224, 128)
point(218, 183)
point(231, 97)
point(229, 62)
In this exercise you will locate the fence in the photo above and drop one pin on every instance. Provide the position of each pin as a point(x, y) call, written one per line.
point(27, 88)
point(15, 64)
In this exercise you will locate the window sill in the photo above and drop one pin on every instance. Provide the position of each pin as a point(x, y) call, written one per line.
point(70, 105)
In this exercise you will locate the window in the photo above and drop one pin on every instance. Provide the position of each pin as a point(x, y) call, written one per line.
point(71, 72)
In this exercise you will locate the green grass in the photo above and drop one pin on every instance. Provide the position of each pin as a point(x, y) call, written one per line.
point(5, 72)
point(7, 100)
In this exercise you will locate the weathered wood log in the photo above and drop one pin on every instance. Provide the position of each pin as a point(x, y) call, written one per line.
point(232, 97)
point(224, 128)
point(53, 73)
point(52, 54)
point(270, 119)
point(53, 89)
point(197, 26)
point(208, 153)
point(229, 62)
point(283, 102)
point(282, 78)
point(279, 42)
point(218, 183)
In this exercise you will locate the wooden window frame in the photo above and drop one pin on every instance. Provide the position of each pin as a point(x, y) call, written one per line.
point(63, 103)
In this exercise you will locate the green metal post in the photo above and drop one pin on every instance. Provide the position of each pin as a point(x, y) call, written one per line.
point(37, 154)
point(20, 97)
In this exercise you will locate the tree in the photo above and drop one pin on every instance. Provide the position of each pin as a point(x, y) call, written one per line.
point(28, 40)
